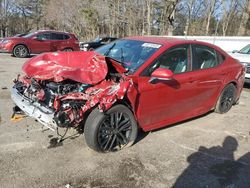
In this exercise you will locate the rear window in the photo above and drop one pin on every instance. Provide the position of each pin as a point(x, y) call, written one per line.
point(220, 58)
point(66, 37)
point(59, 36)
point(56, 36)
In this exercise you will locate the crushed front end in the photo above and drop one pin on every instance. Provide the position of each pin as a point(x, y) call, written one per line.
point(64, 102)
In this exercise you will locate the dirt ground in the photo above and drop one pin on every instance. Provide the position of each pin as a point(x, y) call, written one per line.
point(209, 151)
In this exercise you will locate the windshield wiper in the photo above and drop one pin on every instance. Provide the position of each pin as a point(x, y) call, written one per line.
point(122, 56)
point(108, 51)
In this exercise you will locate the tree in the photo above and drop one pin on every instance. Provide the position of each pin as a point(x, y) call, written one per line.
point(245, 22)
point(91, 18)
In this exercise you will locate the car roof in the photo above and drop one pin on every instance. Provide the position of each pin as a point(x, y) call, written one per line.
point(170, 41)
point(155, 39)
point(41, 31)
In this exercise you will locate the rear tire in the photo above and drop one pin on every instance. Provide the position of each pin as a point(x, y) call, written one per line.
point(68, 50)
point(226, 99)
point(110, 131)
point(20, 51)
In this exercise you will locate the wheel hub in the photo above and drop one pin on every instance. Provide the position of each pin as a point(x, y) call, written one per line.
point(114, 132)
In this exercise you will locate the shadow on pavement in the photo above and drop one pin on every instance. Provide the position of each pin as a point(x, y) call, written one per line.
point(216, 167)
point(246, 85)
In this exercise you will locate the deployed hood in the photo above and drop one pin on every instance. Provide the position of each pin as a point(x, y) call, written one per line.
point(85, 67)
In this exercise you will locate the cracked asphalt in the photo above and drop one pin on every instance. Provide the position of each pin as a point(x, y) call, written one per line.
point(209, 151)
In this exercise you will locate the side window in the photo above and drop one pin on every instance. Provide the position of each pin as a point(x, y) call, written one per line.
point(175, 59)
point(203, 57)
point(56, 36)
point(105, 40)
point(220, 58)
point(43, 36)
point(65, 37)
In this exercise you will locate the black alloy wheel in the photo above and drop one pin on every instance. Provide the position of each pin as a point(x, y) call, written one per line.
point(114, 131)
point(111, 131)
point(226, 100)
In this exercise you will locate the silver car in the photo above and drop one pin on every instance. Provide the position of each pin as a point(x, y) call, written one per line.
point(243, 56)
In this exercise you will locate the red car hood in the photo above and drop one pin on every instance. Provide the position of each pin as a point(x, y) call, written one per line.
point(85, 67)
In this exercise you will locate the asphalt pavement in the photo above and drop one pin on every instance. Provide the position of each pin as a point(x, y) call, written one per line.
point(209, 151)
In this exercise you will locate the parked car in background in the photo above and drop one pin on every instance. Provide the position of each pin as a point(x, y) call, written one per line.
point(243, 56)
point(85, 46)
point(133, 83)
point(39, 42)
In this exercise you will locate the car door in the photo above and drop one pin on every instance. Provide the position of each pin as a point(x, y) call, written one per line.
point(190, 93)
point(57, 42)
point(207, 75)
point(166, 102)
point(41, 43)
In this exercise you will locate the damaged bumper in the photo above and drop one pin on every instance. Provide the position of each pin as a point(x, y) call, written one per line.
point(34, 109)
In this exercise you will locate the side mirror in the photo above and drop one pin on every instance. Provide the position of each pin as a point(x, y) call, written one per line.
point(161, 74)
point(234, 51)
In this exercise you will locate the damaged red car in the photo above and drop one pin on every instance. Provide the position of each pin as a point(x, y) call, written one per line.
point(133, 83)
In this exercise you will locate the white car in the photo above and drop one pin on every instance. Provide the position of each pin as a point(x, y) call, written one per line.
point(244, 57)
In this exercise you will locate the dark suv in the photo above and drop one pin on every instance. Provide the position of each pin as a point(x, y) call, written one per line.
point(38, 42)
point(99, 41)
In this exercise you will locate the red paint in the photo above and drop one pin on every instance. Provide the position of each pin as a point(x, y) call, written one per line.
point(84, 67)
point(155, 105)
point(39, 46)
point(162, 73)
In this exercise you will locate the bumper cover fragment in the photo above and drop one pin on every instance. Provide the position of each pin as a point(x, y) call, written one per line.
point(34, 109)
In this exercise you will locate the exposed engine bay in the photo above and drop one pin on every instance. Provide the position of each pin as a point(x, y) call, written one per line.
point(63, 103)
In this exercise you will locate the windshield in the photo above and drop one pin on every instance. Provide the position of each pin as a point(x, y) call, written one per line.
point(29, 35)
point(20, 35)
point(131, 53)
point(97, 39)
point(245, 50)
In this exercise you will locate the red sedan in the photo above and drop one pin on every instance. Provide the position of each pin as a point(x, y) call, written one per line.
point(39, 42)
point(130, 84)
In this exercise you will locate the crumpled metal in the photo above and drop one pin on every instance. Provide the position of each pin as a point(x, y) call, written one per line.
point(84, 67)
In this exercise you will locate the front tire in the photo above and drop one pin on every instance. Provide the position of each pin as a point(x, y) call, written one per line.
point(20, 51)
point(226, 99)
point(110, 131)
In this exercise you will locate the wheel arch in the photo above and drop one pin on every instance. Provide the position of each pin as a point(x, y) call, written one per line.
point(95, 119)
point(29, 51)
point(236, 91)
point(125, 101)
point(222, 89)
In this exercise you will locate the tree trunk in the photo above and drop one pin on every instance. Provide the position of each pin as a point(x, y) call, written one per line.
point(244, 25)
point(149, 17)
point(211, 11)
